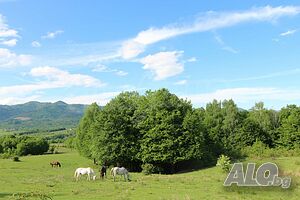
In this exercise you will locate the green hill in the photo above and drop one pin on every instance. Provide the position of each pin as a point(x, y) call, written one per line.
point(40, 116)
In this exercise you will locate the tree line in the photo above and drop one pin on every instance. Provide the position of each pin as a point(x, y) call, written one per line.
point(165, 133)
point(11, 145)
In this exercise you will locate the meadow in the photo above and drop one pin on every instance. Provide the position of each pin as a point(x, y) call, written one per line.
point(33, 178)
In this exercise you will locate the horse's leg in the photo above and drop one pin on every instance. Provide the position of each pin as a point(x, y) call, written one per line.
point(128, 177)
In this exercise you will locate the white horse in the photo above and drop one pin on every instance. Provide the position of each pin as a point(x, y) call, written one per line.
point(119, 171)
point(82, 171)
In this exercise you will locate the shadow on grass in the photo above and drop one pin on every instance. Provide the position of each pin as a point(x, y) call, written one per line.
point(190, 166)
point(5, 195)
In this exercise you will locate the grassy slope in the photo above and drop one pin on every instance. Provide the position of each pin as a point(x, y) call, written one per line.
point(34, 174)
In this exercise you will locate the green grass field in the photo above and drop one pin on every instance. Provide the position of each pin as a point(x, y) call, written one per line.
point(34, 175)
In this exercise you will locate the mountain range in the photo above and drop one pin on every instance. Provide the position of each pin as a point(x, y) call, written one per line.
point(40, 116)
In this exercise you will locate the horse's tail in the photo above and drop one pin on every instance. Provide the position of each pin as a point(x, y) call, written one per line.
point(111, 171)
point(92, 172)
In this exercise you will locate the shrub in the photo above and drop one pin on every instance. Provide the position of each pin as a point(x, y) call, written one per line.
point(151, 169)
point(5, 155)
point(52, 149)
point(31, 145)
point(257, 150)
point(16, 159)
point(224, 163)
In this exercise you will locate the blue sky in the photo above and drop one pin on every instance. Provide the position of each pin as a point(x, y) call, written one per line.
point(90, 51)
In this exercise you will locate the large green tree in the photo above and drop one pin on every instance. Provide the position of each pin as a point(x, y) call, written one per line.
point(213, 122)
point(290, 127)
point(268, 121)
point(232, 121)
point(86, 130)
point(223, 121)
point(116, 140)
point(171, 130)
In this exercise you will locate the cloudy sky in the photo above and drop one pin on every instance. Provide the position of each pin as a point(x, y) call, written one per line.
point(89, 51)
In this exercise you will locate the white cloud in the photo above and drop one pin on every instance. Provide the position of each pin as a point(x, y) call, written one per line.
point(103, 68)
point(17, 100)
point(192, 59)
point(10, 59)
point(101, 99)
point(121, 73)
point(229, 49)
point(289, 32)
point(60, 78)
point(246, 95)
point(10, 43)
point(5, 31)
point(260, 77)
point(163, 64)
point(20, 90)
point(8, 37)
point(223, 45)
point(182, 82)
point(35, 44)
point(50, 78)
point(52, 35)
point(85, 60)
point(131, 49)
point(209, 21)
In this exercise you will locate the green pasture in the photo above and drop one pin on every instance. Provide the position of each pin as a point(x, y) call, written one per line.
point(33, 176)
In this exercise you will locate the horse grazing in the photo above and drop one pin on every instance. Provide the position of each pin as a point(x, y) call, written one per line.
point(119, 171)
point(103, 171)
point(55, 164)
point(82, 171)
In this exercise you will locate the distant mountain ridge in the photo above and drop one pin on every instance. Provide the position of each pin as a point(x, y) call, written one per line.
point(42, 116)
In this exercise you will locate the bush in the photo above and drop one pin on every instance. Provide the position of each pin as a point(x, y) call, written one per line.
point(31, 145)
point(23, 145)
point(257, 150)
point(16, 159)
point(5, 156)
point(224, 163)
point(52, 149)
point(151, 169)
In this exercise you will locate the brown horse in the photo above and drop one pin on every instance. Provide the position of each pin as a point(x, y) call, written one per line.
point(103, 171)
point(55, 164)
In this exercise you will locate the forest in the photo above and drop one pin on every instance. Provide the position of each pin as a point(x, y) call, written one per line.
point(163, 133)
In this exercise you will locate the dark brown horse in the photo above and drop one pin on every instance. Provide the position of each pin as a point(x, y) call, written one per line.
point(103, 171)
point(55, 163)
